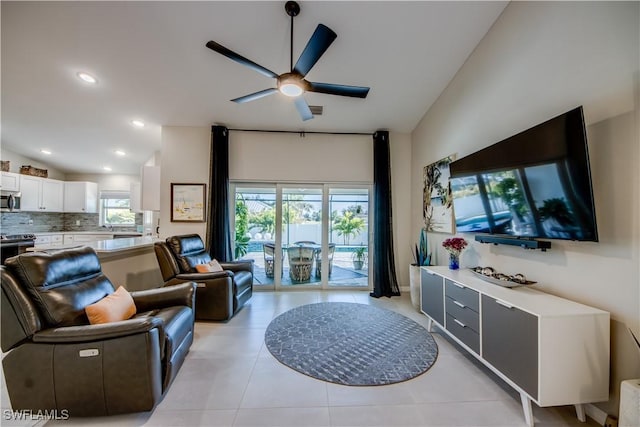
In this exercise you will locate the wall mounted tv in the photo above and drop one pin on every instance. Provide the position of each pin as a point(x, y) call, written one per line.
point(536, 184)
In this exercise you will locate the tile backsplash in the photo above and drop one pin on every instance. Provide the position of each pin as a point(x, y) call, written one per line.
point(45, 222)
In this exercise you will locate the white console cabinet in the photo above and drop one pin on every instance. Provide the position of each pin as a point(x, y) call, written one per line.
point(551, 350)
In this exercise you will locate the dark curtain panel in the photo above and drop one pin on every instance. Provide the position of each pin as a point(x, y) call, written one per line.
point(385, 283)
point(218, 223)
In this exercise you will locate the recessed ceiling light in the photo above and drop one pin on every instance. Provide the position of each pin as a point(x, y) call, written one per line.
point(47, 152)
point(107, 168)
point(137, 123)
point(120, 153)
point(88, 78)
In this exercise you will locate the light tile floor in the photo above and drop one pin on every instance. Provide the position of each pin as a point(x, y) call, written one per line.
point(230, 379)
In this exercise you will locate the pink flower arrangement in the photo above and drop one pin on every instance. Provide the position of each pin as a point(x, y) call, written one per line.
point(455, 245)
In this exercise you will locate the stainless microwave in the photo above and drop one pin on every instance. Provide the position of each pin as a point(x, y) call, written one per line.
point(10, 201)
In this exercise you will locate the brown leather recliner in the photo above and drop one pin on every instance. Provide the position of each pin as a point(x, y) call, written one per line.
point(219, 295)
point(56, 360)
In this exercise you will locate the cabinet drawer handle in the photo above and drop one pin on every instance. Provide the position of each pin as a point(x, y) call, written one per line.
point(458, 285)
point(459, 304)
point(504, 304)
point(460, 323)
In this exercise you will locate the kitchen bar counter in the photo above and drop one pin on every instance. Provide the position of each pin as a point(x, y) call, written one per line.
point(102, 231)
point(107, 234)
point(103, 246)
point(130, 262)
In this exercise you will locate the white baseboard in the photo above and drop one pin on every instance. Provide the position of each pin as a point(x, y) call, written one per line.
point(406, 289)
point(595, 413)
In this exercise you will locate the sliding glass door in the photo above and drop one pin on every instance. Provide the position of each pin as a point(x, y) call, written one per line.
point(255, 230)
point(303, 236)
point(349, 237)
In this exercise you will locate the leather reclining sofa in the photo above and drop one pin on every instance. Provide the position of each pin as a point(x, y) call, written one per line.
point(219, 295)
point(57, 360)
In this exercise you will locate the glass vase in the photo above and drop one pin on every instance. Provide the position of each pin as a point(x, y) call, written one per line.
point(454, 261)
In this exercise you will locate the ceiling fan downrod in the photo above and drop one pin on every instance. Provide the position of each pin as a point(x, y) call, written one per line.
point(293, 9)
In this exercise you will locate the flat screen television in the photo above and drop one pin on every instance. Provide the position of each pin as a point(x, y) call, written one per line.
point(536, 184)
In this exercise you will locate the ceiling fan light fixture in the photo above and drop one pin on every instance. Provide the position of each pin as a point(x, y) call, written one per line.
point(291, 84)
point(291, 89)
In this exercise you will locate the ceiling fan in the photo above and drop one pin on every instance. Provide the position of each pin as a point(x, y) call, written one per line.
point(293, 83)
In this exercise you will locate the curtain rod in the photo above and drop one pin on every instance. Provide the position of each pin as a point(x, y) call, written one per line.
point(302, 133)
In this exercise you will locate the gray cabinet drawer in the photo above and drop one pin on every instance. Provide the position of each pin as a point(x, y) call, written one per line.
point(510, 342)
point(432, 295)
point(463, 314)
point(464, 333)
point(460, 293)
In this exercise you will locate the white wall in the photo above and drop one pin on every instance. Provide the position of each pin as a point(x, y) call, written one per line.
point(403, 239)
point(541, 59)
point(107, 182)
point(280, 157)
point(18, 160)
point(184, 159)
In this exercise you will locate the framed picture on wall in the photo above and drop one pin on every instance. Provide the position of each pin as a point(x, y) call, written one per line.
point(437, 208)
point(188, 202)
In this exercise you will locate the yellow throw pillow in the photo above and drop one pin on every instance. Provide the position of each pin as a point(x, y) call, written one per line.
point(112, 308)
point(210, 267)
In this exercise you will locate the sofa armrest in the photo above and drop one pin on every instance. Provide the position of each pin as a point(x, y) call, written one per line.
point(167, 296)
point(201, 277)
point(88, 333)
point(240, 265)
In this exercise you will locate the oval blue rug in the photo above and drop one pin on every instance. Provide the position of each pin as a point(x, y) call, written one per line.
point(351, 344)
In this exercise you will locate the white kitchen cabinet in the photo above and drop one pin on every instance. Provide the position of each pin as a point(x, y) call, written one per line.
point(48, 240)
point(82, 238)
point(81, 197)
point(150, 192)
point(41, 194)
point(134, 197)
point(10, 181)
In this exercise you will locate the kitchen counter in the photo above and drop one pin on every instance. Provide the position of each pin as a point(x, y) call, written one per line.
point(106, 233)
point(103, 246)
point(130, 262)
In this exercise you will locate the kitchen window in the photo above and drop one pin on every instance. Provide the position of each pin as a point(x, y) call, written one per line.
point(115, 208)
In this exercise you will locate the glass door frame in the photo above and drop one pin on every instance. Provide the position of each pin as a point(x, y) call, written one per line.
point(325, 218)
point(233, 186)
point(326, 237)
point(279, 234)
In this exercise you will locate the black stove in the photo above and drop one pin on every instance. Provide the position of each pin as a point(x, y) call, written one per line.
point(15, 244)
point(10, 238)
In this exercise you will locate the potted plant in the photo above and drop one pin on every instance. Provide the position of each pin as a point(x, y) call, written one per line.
point(358, 257)
point(421, 257)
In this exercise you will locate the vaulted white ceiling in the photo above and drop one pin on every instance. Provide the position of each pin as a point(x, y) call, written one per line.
point(151, 64)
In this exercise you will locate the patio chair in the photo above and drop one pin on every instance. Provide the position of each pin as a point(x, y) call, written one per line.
point(269, 250)
point(332, 249)
point(300, 263)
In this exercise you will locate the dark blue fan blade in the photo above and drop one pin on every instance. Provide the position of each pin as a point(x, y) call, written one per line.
point(240, 59)
point(342, 90)
point(318, 43)
point(255, 95)
point(303, 108)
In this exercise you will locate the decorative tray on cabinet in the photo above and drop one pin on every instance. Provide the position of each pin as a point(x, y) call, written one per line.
point(488, 274)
